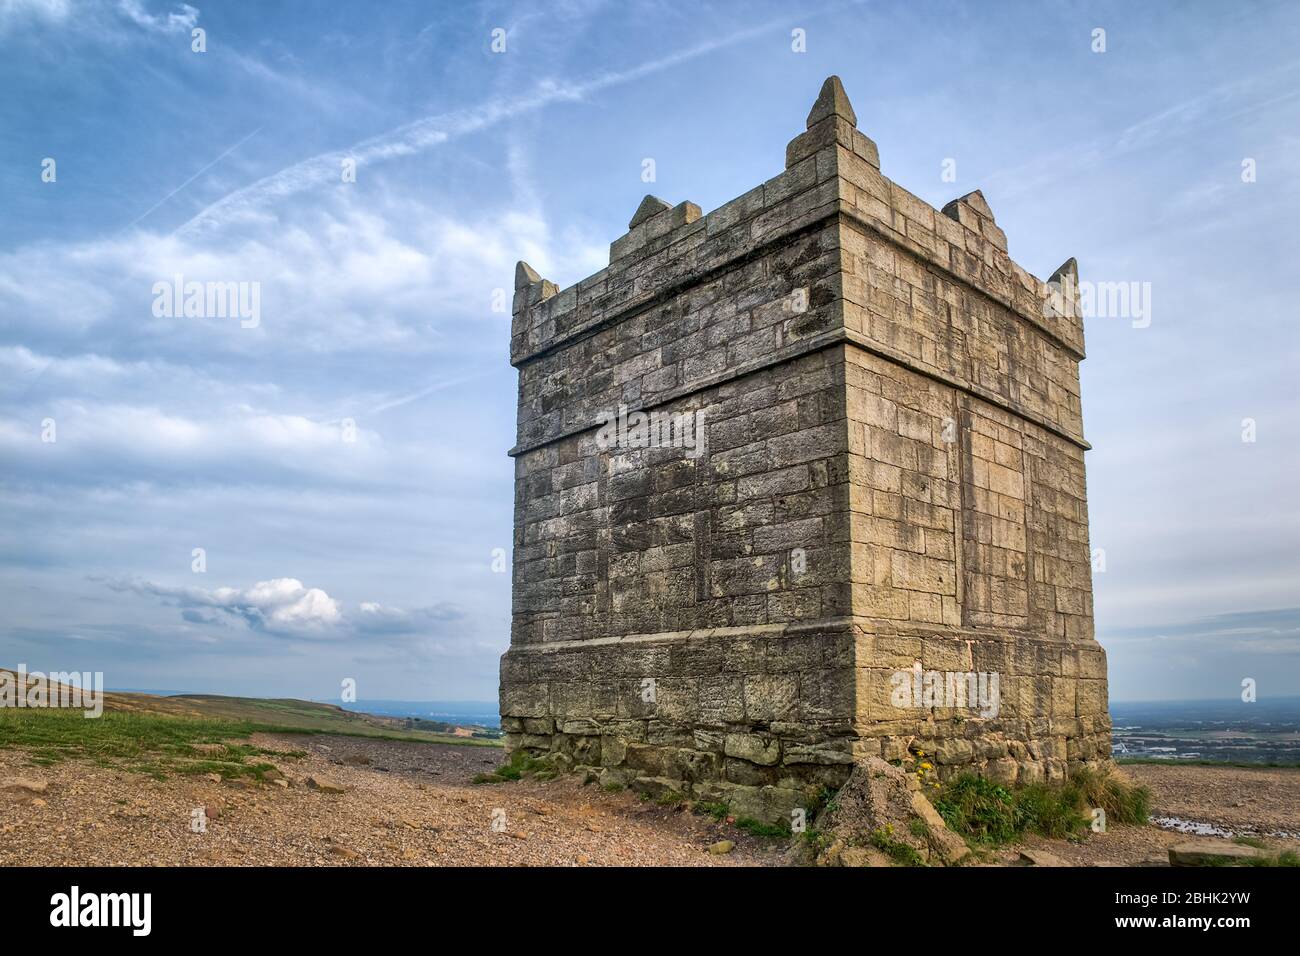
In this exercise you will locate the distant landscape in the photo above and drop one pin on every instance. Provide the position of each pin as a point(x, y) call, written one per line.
point(478, 713)
point(1265, 732)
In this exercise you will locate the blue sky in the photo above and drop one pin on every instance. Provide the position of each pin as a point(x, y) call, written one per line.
point(372, 558)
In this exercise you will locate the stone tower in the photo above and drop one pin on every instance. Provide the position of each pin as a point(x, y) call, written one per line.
point(798, 482)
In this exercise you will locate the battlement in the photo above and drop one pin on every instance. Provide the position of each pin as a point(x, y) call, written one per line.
point(889, 474)
point(869, 232)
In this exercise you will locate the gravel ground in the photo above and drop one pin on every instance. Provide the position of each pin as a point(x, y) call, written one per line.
point(412, 804)
point(405, 805)
point(1263, 801)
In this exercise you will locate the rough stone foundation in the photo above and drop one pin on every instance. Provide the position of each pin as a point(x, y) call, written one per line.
point(862, 457)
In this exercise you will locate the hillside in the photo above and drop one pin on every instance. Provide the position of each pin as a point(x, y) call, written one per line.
point(280, 714)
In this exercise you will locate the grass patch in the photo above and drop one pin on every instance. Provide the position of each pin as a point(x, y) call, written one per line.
point(760, 829)
point(1124, 803)
point(900, 853)
point(716, 810)
point(979, 810)
point(1255, 842)
point(817, 841)
point(988, 813)
point(521, 764)
point(149, 744)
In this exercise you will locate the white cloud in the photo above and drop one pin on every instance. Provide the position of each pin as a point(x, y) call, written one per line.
point(181, 20)
point(286, 607)
point(50, 11)
point(282, 605)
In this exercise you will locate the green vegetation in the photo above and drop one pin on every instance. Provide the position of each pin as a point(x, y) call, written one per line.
point(521, 764)
point(716, 810)
point(823, 800)
point(139, 743)
point(144, 733)
point(304, 716)
point(1284, 858)
point(900, 853)
point(759, 829)
point(987, 813)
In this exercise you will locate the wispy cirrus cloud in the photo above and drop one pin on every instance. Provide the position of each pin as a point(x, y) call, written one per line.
point(432, 131)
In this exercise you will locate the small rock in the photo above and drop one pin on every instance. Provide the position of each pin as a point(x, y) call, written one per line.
point(282, 783)
point(721, 847)
point(22, 789)
point(23, 785)
point(325, 784)
point(583, 859)
point(212, 777)
point(356, 760)
point(343, 851)
point(1210, 852)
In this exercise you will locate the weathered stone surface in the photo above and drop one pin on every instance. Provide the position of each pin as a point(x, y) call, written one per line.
point(1211, 853)
point(877, 803)
point(832, 101)
point(768, 804)
point(650, 206)
point(755, 749)
point(800, 483)
point(862, 856)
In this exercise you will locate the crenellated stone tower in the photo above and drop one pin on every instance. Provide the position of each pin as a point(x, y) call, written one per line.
point(798, 482)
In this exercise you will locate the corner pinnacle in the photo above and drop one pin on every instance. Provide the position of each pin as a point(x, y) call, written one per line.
point(975, 200)
point(525, 274)
point(1069, 269)
point(650, 206)
point(832, 101)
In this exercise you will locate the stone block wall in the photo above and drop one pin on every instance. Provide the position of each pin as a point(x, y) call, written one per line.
point(885, 476)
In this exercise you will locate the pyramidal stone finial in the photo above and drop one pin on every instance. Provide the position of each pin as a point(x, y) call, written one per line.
point(975, 200)
point(1069, 269)
point(525, 274)
point(650, 206)
point(832, 101)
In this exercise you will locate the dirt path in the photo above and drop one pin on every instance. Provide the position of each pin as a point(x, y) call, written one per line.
point(411, 804)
